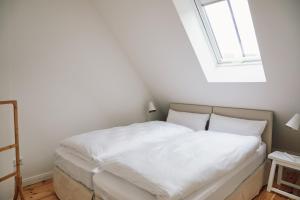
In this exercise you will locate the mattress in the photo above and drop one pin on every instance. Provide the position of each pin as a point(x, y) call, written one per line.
point(79, 169)
point(111, 187)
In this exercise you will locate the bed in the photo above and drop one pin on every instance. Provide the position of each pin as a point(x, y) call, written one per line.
point(243, 183)
point(69, 186)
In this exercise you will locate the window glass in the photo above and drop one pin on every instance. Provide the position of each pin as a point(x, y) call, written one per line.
point(230, 30)
point(222, 27)
point(245, 27)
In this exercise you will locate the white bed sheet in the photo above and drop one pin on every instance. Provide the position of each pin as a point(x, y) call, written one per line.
point(81, 156)
point(98, 145)
point(79, 169)
point(111, 187)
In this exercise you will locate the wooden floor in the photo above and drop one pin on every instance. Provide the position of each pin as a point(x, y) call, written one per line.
point(44, 190)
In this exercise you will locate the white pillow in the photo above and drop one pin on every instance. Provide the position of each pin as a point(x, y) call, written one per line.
point(236, 126)
point(195, 121)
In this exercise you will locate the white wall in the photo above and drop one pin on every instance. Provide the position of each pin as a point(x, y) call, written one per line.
point(151, 33)
point(6, 133)
point(68, 74)
point(6, 137)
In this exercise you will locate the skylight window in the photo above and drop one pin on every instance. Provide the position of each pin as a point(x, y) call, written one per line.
point(222, 35)
point(229, 28)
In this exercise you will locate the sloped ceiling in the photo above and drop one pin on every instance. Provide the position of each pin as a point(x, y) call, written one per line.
point(151, 34)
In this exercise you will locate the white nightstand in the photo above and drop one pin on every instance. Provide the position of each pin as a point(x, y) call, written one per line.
point(283, 160)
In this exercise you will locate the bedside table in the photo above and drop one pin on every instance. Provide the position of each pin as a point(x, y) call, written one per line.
point(283, 160)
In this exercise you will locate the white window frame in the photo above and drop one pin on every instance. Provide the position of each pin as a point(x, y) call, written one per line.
point(245, 60)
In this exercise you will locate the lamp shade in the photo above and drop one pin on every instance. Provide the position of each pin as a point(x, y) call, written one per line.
point(151, 107)
point(294, 122)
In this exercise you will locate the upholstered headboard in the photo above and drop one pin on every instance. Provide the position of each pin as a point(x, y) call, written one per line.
point(191, 108)
point(243, 113)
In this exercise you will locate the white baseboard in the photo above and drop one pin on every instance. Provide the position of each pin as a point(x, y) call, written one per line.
point(37, 178)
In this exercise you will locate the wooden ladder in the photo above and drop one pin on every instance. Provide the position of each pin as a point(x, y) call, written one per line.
point(17, 173)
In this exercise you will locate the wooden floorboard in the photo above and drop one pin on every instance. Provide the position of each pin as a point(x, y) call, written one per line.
point(44, 190)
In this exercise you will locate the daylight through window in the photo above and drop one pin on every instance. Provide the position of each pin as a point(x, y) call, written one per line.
point(230, 30)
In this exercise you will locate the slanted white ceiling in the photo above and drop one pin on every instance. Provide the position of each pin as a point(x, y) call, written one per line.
point(151, 34)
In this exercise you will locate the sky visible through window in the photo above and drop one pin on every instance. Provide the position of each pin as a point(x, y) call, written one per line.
point(232, 30)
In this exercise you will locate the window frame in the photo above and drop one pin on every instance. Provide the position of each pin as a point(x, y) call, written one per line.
point(220, 61)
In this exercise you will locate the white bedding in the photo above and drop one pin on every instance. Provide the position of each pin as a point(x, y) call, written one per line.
point(111, 187)
point(79, 169)
point(97, 145)
point(177, 168)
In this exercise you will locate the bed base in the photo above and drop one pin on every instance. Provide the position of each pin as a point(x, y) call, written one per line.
point(66, 188)
point(252, 186)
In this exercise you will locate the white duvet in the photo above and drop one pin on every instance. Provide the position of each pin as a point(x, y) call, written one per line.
point(176, 168)
point(97, 145)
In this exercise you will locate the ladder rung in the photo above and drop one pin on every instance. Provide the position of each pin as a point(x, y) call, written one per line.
point(8, 176)
point(8, 102)
point(7, 147)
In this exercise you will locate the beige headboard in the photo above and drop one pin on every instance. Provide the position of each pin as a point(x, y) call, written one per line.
point(191, 108)
point(243, 113)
